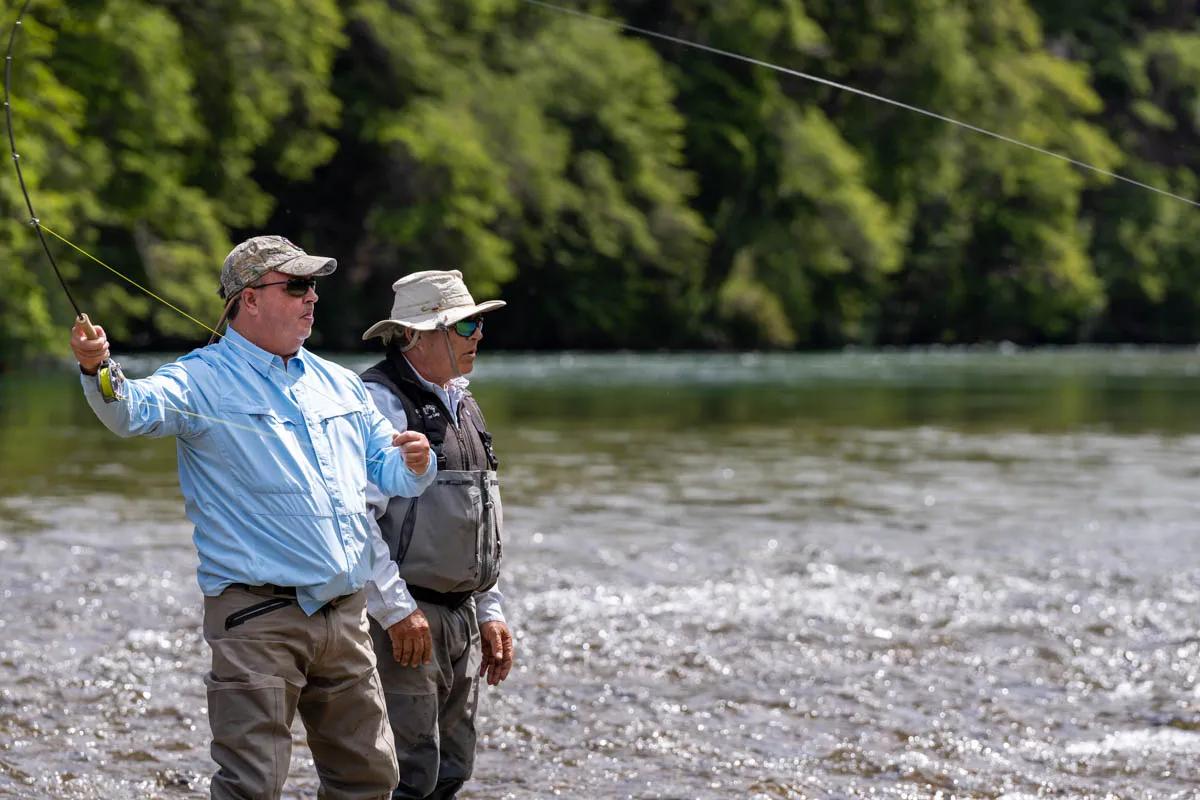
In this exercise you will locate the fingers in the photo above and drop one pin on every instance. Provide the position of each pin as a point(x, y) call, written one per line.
point(407, 437)
point(490, 668)
point(397, 641)
point(506, 660)
point(415, 448)
point(417, 648)
point(497, 652)
point(485, 639)
point(503, 663)
point(412, 644)
point(417, 460)
point(407, 649)
point(427, 647)
point(496, 672)
point(90, 353)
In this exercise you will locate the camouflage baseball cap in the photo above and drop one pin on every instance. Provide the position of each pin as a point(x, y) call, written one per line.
point(255, 257)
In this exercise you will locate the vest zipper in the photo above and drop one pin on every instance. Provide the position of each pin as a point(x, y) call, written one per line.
point(484, 529)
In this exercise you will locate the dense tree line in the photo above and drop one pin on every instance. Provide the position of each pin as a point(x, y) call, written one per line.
point(619, 192)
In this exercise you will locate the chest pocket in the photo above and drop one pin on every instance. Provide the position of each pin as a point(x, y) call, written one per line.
point(344, 432)
point(261, 447)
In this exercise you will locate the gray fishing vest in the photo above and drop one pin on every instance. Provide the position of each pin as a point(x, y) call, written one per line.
point(446, 542)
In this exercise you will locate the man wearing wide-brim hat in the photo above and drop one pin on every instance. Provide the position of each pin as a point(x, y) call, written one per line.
point(439, 627)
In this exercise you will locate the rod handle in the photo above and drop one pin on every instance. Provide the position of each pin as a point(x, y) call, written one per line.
point(83, 320)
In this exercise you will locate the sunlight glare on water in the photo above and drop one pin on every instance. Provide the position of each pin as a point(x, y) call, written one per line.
point(846, 575)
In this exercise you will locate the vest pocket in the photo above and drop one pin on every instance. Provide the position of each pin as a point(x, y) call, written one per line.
point(403, 533)
point(443, 550)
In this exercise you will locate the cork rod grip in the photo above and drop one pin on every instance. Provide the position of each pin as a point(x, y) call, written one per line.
point(87, 326)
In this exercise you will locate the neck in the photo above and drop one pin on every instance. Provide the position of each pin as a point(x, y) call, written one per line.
point(423, 370)
point(256, 338)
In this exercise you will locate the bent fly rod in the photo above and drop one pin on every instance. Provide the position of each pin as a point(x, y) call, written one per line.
point(108, 373)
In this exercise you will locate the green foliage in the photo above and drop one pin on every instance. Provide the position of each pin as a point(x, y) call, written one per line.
point(548, 163)
point(1146, 59)
point(618, 191)
point(142, 126)
point(994, 246)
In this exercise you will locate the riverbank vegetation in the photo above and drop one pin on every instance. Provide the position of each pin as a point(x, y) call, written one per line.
point(619, 192)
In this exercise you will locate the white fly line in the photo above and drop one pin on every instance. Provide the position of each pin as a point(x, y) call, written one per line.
point(862, 93)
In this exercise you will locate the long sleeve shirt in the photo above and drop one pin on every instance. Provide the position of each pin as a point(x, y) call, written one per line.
point(273, 463)
point(388, 599)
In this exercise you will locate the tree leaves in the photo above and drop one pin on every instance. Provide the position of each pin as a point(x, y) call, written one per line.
point(618, 191)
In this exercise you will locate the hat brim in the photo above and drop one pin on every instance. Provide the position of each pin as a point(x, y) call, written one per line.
point(308, 266)
point(430, 322)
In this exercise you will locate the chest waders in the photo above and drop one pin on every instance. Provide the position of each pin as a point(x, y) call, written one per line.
point(447, 541)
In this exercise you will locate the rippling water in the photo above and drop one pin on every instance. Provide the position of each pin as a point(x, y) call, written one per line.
point(905, 575)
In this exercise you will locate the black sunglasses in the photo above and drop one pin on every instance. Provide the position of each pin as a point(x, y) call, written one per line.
point(466, 328)
point(296, 287)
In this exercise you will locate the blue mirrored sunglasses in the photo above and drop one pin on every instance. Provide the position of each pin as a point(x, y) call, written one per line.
point(466, 328)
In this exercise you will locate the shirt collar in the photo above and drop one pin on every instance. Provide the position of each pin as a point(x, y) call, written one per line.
point(267, 364)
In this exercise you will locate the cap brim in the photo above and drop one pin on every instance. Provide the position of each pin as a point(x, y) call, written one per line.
point(430, 322)
point(308, 266)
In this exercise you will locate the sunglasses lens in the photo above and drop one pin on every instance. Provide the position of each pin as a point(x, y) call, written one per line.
point(298, 287)
point(467, 327)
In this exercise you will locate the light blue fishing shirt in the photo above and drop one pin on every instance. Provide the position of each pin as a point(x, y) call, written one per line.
point(273, 463)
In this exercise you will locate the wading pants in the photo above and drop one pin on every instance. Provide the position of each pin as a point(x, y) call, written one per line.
point(432, 707)
point(270, 659)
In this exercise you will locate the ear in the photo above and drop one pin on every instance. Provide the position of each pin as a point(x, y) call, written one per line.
point(249, 301)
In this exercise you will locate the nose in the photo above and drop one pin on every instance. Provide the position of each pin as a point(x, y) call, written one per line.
point(311, 295)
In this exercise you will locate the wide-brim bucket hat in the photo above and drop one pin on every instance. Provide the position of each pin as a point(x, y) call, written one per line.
point(428, 300)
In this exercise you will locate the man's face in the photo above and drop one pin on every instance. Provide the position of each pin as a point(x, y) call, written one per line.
point(445, 354)
point(466, 347)
point(284, 307)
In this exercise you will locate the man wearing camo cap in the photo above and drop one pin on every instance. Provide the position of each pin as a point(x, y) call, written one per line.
point(275, 447)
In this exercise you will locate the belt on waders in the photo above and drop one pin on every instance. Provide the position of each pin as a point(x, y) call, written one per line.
point(450, 600)
point(282, 591)
point(287, 591)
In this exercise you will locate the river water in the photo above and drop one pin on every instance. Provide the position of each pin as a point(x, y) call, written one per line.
point(951, 574)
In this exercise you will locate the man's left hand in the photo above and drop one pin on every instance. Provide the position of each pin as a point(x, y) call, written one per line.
point(415, 448)
point(497, 651)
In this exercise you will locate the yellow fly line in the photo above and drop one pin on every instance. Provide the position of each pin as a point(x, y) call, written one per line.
point(123, 276)
point(167, 303)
